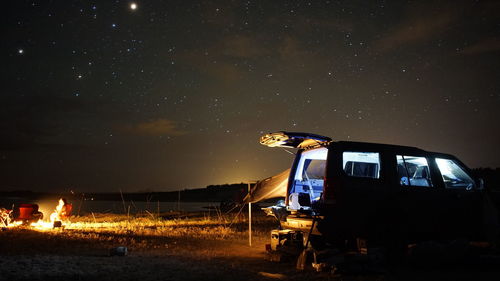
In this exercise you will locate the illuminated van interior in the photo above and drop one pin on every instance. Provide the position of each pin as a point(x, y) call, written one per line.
point(361, 164)
point(308, 180)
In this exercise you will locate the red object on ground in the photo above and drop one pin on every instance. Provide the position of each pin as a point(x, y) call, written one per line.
point(26, 211)
point(69, 208)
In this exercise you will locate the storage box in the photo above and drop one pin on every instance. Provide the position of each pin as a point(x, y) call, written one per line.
point(286, 239)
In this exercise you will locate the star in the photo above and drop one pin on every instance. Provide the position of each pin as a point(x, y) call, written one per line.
point(133, 6)
point(20, 51)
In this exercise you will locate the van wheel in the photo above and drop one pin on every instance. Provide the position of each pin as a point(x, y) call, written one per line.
point(317, 242)
point(396, 251)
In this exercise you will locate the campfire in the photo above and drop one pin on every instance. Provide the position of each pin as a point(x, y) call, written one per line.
point(29, 215)
point(61, 213)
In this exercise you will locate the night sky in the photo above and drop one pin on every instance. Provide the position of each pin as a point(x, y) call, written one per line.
point(167, 95)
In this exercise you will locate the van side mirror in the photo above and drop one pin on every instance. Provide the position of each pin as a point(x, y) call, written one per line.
point(480, 183)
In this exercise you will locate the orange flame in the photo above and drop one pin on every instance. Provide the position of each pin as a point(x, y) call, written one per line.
point(59, 214)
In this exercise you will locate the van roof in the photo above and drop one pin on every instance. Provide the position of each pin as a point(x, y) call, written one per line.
point(306, 141)
point(378, 146)
point(368, 146)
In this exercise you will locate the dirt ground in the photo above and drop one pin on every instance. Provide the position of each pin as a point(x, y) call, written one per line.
point(31, 255)
point(82, 254)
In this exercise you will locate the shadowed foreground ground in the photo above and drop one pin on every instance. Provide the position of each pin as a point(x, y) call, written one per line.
point(178, 250)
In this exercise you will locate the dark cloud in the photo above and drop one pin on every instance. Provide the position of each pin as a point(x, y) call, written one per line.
point(484, 46)
point(420, 24)
point(28, 121)
point(310, 24)
point(243, 47)
point(154, 128)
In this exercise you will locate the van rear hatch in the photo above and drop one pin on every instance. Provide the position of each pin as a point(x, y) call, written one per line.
point(294, 140)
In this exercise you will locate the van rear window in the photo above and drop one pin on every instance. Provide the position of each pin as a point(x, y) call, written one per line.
point(361, 164)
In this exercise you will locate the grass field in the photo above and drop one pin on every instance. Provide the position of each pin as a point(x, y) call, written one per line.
point(190, 246)
point(171, 247)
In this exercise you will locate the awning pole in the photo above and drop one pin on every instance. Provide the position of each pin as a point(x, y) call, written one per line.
point(249, 219)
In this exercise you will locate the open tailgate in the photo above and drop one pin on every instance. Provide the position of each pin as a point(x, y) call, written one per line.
point(294, 140)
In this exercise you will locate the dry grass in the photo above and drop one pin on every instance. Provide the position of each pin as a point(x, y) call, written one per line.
point(198, 226)
point(182, 247)
point(175, 247)
point(188, 234)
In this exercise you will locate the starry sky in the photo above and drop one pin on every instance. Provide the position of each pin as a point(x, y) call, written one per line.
point(167, 95)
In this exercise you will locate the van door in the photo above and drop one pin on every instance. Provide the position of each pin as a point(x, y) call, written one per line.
point(419, 198)
point(360, 194)
point(462, 204)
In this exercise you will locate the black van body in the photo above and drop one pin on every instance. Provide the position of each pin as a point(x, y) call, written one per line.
point(344, 191)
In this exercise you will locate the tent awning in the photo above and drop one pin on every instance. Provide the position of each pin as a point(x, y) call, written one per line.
point(271, 187)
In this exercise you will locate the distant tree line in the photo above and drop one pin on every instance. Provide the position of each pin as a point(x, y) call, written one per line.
point(212, 193)
point(490, 176)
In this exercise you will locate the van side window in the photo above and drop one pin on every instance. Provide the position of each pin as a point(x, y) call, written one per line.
point(453, 175)
point(361, 164)
point(413, 171)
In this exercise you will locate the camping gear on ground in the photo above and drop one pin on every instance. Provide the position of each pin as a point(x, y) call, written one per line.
point(6, 217)
point(29, 213)
point(118, 251)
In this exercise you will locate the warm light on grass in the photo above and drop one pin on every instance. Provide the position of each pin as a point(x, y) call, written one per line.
point(201, 227)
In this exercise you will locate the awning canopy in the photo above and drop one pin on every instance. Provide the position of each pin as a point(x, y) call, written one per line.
point(271, 187)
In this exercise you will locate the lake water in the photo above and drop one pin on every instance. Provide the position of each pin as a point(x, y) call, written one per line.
point(118, 207)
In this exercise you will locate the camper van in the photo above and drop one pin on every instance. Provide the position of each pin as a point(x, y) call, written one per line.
point(340, 192)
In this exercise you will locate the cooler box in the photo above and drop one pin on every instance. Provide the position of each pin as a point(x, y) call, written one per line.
point(26, 211)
